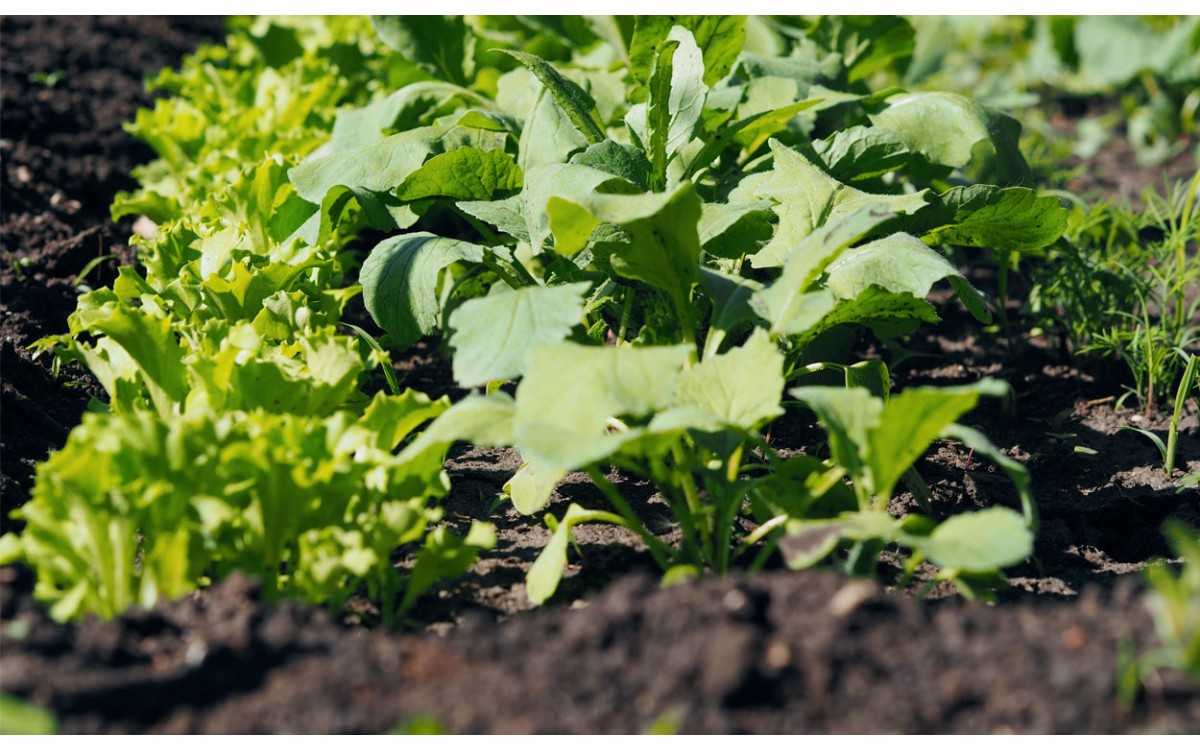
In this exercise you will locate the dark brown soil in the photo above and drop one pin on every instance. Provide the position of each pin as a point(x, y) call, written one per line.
point(612, 652)
point(64, 158)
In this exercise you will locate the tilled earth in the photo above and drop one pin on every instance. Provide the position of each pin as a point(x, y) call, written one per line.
point(612, 652)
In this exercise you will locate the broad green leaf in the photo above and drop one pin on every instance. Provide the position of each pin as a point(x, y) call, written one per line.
point(792, 312)
point(493, 335)
point(598, 383)
point(400, 282)
point(530, 488)
point(741, 388)
point(465, 173)
point(442, 46)
point(860, 153)
point(911, 421)
point(720, 39)
point(661, 247)
point(567, 94)
point(734, 230)
point(790, 303)
point(617, 159)
point(808, 542)
point(888, 313)
point(848, 416)
point(507, 215)
point(730, 297)
point(676, 100)
point(567, 182)
point(547, 138)
point(485, 421)
point(371, 172)
point(898, 263)
point(377, 167)
point(1171, 54)
point(808, 198)
point(978, 542)
point(770, 104)
point(1007, 219)
point(954, 131)
point(417, 104)
point(19, 717)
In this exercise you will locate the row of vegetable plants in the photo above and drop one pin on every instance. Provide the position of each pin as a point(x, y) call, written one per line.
point(642, 241)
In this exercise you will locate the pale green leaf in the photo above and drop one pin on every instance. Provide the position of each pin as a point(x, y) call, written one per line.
point(493, 335)
point(571, 391)
point(888, 313)
point(911, 421)
point(617, 159)
point(848, 416)
point(542, 579)
point(790, 303)
point(808, 198)
point(548, 136)
point(1017, 474)
point(734, 230)
point(955, 131)
point(860, 153)
point(741, 388)
point(730, 296)
point(1006, 219)
point(567, 182)
point(531, 487)
point(978, 542)
point(720, 38)
point(898, 263)
point(507, 215)
point(661, 246)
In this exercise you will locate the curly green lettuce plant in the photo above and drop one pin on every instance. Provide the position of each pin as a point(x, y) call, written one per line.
point(236, 436)
point(135, 507)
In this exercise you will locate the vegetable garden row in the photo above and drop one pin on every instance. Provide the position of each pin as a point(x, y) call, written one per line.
point(652, 250)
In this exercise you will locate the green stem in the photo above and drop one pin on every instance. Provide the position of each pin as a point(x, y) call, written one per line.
point(1190, 373)
point(712, 345)
point(760, 533)
point(494, 265)
point(683, 478)
point(626, 314)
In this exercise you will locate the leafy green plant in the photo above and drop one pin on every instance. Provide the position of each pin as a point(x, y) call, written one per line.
point(1018, 62)
point(236, 436)
point(1174, 602)
point(135, 507)
point(650, 223)
point(1189, 381)
point(1119, 285)
point(874, 441)
point(648, 248)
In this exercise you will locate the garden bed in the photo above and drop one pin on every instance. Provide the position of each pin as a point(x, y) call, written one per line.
point(780, 651)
